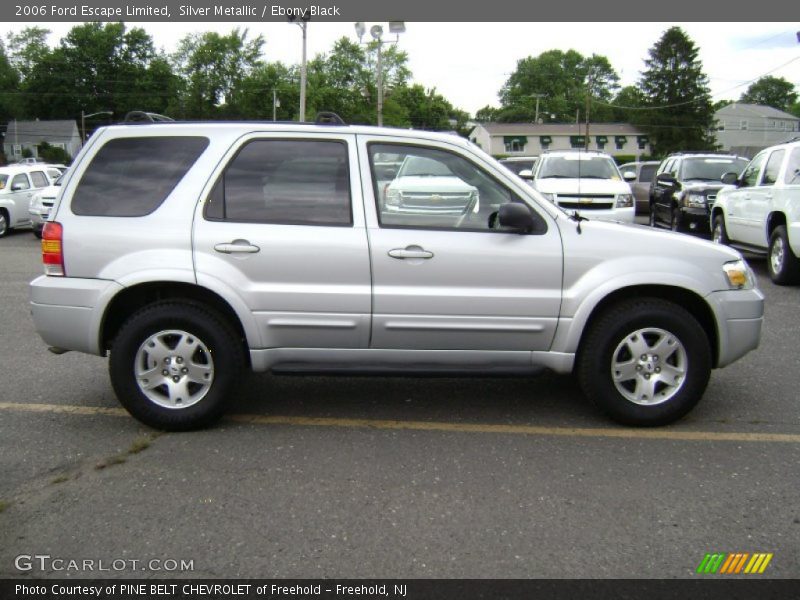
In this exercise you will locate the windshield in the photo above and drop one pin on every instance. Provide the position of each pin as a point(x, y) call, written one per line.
point(711, 168)
point(422, 166)
point(578, 167)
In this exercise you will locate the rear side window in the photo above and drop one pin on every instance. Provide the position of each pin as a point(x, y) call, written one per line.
point(39, 179)
point(131, 177)
point(792, 176)
point(647, 173)
point(290, 182)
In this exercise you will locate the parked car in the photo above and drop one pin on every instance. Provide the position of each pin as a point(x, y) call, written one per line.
point(190, 251)
point(17, 185)
point(41, 204)
point(426, 187)
point(521, 165)
point(685, 187)
point(639, 176)
point(761, 211)
point(584, 180)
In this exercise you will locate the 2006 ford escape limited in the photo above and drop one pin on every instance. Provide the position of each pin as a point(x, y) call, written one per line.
point(192, 251)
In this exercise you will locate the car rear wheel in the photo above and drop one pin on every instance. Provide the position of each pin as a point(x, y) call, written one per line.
point(174, 364)
point(782, 264)
point(3, 223)
point(645, 362)
point(719, 234)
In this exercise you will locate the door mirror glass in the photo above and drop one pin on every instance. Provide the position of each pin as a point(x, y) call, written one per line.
point(729, 178)
point(516, 216)
point(526, 174)
point(629, 175)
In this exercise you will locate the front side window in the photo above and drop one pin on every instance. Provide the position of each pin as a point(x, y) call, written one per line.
point(291, 182)
point(131, 177)
point(435, 189)
point(770, 176)
point(749, 177)
point(20, 182)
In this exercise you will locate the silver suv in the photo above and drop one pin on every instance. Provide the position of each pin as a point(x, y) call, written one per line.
point(191, 251)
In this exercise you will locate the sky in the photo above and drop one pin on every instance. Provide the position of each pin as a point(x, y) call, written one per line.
point(469, 62)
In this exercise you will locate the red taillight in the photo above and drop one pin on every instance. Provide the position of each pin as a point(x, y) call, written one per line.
point(52, 250)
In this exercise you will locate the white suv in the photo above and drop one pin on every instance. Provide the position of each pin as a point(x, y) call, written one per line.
point(761, 210)
point(192, 250)
point(18, 183)
point(586, 181)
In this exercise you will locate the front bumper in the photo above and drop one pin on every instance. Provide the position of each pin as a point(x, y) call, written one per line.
point(68, 311)
point(739, 315)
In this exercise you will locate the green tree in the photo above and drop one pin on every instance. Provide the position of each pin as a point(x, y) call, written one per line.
point(27, 48)
point(678, 111)
point(53, 154)
point(486, 114)
point(213, 66)
point(98, 67)
point(9, 87)
point(565, 78)
point(776, 92)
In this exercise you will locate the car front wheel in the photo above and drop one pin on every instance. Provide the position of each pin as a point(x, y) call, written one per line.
point(174, 364)
point(645, 362)
point(783, 265)
point(719, 234)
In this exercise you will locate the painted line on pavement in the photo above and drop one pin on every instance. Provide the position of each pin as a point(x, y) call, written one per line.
point(297, 421)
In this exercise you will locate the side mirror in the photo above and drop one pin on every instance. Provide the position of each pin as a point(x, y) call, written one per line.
point(729, 178)
point(516, 216)
point(526, 173)
point(629, 175)
point(665, 178)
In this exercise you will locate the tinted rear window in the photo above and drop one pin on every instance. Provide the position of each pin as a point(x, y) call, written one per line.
point(131, 177)
point(647, 173)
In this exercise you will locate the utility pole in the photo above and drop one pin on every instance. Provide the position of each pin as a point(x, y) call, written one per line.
point(537, 96)
point(587, 119)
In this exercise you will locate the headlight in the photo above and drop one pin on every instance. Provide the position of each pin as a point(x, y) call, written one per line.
point(694, 201)
point(624, 201)
point(550, 197)
point(739, 275)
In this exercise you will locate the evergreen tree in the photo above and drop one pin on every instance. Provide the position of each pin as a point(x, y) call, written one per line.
point(677, 103)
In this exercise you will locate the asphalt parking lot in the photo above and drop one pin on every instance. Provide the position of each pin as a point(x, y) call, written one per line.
point(388, 477)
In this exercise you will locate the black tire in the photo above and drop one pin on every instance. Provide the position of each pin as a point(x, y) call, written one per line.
point(4, 223)
point(213, 350)
point(37, 233)
point(676, 219)
point(782, 264)
point(718, 232)
point(644, 320)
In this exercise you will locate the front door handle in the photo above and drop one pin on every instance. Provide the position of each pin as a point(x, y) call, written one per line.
point(410, 252)
point(237, 246)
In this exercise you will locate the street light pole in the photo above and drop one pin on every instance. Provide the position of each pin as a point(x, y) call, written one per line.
point(84, 116)
point(376, 31)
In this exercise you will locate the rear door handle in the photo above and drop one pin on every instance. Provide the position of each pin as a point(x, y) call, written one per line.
point(237, 246)
point(410, 252)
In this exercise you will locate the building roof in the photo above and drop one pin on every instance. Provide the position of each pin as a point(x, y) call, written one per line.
point(530, 129)
point(34, 132)
point(739, 109)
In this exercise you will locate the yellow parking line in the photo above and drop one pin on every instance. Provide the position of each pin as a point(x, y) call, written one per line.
point(630, 433)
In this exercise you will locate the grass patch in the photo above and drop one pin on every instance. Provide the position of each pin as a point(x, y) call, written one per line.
point(60, 479)
point(110, 462)
point(4, 505)
point(140, 444)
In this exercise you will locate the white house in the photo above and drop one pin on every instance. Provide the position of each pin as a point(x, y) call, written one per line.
point(523, 139)
point(29, 134)
point(749, 128)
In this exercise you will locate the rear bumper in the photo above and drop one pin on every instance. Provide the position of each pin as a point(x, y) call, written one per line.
point(67, 311)
point(739, 315)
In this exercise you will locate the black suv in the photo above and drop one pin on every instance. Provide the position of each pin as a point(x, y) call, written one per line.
point(686, 185)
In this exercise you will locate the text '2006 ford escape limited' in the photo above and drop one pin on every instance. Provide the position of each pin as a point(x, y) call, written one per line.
point(191, 251)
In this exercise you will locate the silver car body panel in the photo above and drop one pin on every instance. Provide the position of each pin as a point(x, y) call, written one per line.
point(326, 296)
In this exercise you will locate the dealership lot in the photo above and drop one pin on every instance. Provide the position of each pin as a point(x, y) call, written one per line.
point(390, 477)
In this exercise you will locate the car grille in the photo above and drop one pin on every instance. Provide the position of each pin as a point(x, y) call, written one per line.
point(437, 203)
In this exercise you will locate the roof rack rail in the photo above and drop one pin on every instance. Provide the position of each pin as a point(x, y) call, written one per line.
point(139, 116)
point(328, 118)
